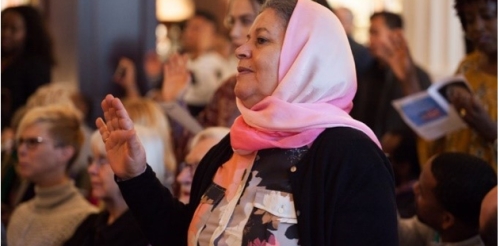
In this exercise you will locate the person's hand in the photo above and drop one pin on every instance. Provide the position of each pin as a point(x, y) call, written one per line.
point(125, 76)
point(472, 112)
point(176, 77)
point(152, 65)
point(125, 152)
point(397, 55)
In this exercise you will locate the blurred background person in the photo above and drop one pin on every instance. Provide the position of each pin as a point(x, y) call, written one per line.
point(48, 141)
point(222, 110)
point(362, 56)
point(201, 143)
point(479, 107)
point(146, 113)
point(449, 193)
point(26, 46)
point(115, 224)
point(15, 189)
point(391, 75)
point(206, 69)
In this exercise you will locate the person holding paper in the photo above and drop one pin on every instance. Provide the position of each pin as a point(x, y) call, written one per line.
point(478, 106)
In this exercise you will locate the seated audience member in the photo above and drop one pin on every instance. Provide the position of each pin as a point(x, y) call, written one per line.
point(198, 147)
point(478, 107)
point(391, 75)
point(448, 194)
point(48, 141)
point(115, 225)
point(145, 112)
point(488, 220)
point(15, 189)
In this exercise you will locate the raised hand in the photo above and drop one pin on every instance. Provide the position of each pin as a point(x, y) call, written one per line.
point(472, 112)
point(125, 152)
point(176, 77)
point(397, 55)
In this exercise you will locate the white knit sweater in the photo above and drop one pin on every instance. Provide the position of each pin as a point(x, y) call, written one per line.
point(50, 218)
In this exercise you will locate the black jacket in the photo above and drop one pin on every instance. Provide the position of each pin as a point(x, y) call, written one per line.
point(343, 191)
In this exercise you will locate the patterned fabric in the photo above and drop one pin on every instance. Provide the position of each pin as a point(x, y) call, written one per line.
point(259, 209)
point(222, 110)
point(484, 86)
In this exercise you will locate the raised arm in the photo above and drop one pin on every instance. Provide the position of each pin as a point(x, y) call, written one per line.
point(125, 152)
point(162, 218)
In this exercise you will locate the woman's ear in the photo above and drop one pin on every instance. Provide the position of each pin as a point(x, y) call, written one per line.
point(448, 220)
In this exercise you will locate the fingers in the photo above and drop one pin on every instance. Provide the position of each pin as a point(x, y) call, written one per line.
point(115, 115)
point(103, 129)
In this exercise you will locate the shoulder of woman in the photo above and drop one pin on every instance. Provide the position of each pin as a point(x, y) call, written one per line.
point(344, 136)
point(345, 144)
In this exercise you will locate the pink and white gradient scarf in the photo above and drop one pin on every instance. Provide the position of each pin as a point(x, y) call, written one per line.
point(317, 82)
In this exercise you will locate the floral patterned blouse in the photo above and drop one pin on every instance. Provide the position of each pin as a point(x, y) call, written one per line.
point(249, 205)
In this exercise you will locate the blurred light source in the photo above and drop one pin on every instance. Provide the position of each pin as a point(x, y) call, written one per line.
point(174, 10)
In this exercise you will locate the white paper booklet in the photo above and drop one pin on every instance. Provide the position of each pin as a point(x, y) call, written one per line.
point(429, 113)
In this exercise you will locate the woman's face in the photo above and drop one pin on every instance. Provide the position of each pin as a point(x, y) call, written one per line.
point(102, 180)
point(259, 59)
point(13, 31)
point(481, 25)
point(239, 20)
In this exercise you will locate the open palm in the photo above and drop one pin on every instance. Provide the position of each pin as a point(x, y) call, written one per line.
point(125, 152)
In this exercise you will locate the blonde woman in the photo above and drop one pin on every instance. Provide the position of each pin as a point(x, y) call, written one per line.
point(145, 112)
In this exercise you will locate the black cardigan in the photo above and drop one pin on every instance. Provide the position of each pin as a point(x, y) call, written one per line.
point(343, 191)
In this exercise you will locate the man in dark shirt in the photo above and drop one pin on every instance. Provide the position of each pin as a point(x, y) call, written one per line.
point(392, 75)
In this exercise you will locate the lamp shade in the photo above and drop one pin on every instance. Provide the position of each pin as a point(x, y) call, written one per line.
point(174, 10)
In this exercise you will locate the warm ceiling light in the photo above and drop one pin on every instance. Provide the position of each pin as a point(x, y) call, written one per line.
point(174, 10)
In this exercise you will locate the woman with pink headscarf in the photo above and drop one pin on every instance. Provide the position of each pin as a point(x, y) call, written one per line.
point(296, 169)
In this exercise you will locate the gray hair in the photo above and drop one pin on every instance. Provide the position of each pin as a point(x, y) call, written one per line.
point(217, 132)
point(284, 8)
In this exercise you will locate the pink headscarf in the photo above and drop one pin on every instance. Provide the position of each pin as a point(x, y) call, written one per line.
point(317, 82)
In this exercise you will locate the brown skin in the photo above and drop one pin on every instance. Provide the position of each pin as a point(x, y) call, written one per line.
point(13, 36)
point(432, 213)
point(390, 47)
point(481, 29)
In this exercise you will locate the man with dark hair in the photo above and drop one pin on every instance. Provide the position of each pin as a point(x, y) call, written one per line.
point(391, 75)
point(449, 193)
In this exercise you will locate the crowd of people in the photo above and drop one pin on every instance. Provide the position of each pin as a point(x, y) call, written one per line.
point(292, 140)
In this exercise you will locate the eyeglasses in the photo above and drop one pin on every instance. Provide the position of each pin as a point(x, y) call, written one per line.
point(31, 143)
point(190, 166)
point(101, 161)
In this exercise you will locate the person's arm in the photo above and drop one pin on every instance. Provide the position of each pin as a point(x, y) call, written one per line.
point(397, 55)
point(162, 218)
point(361, 183)
point(176, 77)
